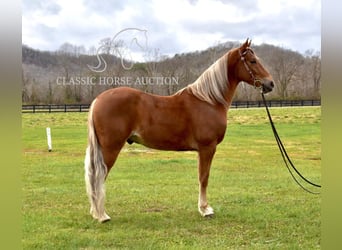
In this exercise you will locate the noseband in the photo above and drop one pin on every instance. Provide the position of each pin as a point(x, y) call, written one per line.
point(255, 80)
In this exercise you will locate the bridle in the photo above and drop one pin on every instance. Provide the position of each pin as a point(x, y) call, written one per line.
point(243, 59)
point(282, 149)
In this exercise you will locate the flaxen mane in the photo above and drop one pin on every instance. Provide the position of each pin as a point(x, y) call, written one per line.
point(213, 83)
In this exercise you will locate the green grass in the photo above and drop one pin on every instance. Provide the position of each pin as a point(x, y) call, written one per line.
point(152, 195)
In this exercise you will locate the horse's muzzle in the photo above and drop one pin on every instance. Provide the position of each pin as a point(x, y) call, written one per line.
point(267, 86)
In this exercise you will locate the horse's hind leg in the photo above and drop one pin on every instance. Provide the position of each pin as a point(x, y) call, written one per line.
point(205, 157)
point(96, 174)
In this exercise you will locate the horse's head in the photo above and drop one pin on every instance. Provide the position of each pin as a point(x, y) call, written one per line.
point(250, 70)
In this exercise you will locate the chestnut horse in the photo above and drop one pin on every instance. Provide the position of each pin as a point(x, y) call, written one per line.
point(194, 118)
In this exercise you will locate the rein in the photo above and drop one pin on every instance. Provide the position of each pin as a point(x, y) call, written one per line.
point(285, 156)
point(281, 147)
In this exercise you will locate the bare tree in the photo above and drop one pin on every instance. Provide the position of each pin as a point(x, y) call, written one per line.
point(285, 65)
point(316, 73)
point(25, 81)
point(67, 49)
point(105, 45)
point(92, 51)
point(168, 70)
point(50, 93)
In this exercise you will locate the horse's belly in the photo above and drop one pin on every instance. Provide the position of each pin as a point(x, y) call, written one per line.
point(168, 141)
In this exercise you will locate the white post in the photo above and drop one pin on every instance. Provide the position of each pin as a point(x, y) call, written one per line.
point(49, 142)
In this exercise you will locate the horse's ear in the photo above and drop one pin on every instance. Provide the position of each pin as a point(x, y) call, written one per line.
point(245, 45)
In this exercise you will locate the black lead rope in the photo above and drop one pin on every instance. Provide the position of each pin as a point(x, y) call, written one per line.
point(285, 155)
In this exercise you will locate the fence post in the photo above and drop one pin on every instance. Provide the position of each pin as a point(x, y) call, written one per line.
point(34, 108)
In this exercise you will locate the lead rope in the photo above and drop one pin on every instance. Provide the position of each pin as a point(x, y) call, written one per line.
point(285, 155)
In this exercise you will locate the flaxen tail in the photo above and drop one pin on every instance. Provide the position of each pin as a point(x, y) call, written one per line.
point(95, 172)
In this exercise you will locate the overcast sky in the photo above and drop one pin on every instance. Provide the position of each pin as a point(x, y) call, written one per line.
point(175, 26)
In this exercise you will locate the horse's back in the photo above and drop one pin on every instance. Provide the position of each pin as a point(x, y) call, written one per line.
point(115, 96)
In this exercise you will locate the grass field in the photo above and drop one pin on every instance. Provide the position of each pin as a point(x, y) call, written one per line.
point(152, 195)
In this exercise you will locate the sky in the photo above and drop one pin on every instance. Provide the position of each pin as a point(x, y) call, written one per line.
point(172, 27)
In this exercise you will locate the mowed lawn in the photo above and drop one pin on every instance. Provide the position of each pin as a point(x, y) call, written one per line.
point(152, 195)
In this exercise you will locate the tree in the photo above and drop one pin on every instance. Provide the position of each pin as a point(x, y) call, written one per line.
point(316, 72)
point(285, 64)
point(92, 51)
point(50, 93)
point(24, 94)
point(67, 49)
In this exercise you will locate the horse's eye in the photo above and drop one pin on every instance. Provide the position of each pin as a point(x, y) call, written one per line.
point(253, 61)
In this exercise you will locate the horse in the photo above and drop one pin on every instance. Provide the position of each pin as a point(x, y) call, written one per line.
point(194, 118)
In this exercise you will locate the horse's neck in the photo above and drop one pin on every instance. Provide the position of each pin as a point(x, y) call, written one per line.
point(232, 81)
point(230, 91)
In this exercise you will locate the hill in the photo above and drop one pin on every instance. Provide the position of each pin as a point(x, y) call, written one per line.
point(64, 76)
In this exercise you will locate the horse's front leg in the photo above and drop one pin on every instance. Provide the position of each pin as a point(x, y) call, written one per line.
point(205, 157)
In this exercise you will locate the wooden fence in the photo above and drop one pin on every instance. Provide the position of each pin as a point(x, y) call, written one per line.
point(49, 108)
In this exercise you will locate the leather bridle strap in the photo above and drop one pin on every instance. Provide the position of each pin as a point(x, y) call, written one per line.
point(243, 59)
point(285, 156)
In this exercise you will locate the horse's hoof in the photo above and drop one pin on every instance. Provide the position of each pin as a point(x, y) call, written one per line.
point(209, 215)
point(206, 211)
point(104, 218)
